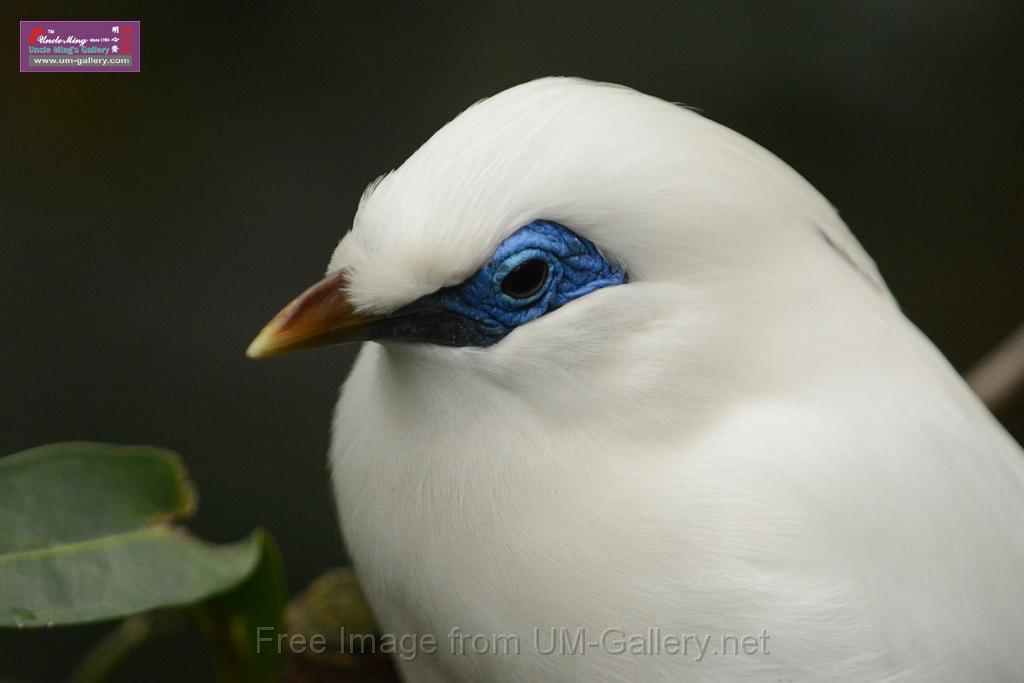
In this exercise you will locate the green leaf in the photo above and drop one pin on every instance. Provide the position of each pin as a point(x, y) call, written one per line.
point(86, 535)
point(245, 621)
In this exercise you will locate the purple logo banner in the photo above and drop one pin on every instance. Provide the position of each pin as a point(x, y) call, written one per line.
point(81, 46)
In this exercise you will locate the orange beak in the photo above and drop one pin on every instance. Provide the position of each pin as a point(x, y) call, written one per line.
point(319, 316)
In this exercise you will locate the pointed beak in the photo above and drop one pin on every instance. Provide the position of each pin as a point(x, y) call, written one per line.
point(319, 316)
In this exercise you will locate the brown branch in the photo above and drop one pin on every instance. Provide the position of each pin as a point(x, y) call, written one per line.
point(1000, 373)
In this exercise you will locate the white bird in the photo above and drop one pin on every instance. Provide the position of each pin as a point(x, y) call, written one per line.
point(633, 378)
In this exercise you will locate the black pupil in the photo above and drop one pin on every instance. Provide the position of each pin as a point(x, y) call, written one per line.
point(526, 279)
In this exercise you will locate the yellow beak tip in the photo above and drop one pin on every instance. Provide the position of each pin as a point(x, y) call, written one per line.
point(259, 347)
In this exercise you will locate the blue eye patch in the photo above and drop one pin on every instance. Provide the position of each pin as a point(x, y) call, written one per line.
point(539, 268)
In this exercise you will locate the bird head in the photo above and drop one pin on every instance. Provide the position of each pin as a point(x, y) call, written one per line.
point(564, 219)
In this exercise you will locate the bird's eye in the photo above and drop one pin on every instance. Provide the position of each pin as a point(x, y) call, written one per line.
point(526, 279)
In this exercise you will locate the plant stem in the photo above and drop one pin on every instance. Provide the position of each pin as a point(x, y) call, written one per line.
point(118, 645)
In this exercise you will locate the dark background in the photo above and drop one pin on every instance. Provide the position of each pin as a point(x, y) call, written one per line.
point(151, 223)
